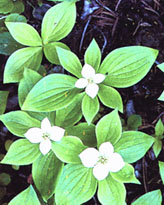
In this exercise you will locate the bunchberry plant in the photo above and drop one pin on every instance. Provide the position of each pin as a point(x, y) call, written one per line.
point(56, 24)
point(161, 67)
point(94, 81)
point(73, 160)
point(107, 168)
point(159, 135)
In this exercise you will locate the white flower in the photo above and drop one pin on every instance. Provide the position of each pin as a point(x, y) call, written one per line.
point(44, 135)
point(90, 80)
point(103, 161)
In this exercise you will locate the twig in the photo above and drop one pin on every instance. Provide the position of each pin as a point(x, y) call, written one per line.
point(114, 26)
point(84, 31)
point(117, 5)
point(105, 7)
point(144, 174)
point(105, 39)
point(159, 116)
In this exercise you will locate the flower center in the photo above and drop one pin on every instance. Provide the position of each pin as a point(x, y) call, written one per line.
point(45, 135)
point(102, 160)
point(90, 81)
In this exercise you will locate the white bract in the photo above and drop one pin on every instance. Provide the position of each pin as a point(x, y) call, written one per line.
point(44, 135)
point(90, 80)
point(103, 161)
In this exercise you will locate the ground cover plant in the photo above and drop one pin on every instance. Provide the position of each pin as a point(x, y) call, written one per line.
point(79, 129)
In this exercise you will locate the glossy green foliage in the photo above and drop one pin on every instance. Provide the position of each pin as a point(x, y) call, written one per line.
point(159, 135)
point(24, 34)
point(92, 57)
point(69, 115)
point(161, 170)
point(52, 169)
point(134, 121)
point(128, 65)
point(55, 26)
point(68, 149)
point(18, 122)
point(109, 128)
point(161, 96)
point(152, 197)
point(10, 6)
point(111, 191)
point(85, 132)
point(7, 44)
point(125, 175)
point(30, 78)
point(15, 17)
point(21, 152)
point(90, 108)
point(29, 57)
point(58, 22)
point(161, 67)
point(53, 92)
point(133, 145)
point(76, 185)
point(5, 179)
point(3, 101)
point(26, 197)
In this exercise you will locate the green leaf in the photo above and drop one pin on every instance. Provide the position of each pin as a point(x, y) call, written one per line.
point(159, 128)
point(30, 78)
point(30, 57)
point(5, 179)
point(152, 197)
point(41, 115)
point(57, 22)
point(24, 33)
point(110, 97)
point(26, 197)
point(134, 121)
point(21, 152)
point(157, 146)
point(6, 6)
point(133, 145)
point(18, 7)
point(111, 191)
point(71, 114)
point(16, 18)
point(161, 170)
point(68, 149)
point(69, 61)
point(128, 65)
point(125, 175)
point(90, 108)
point(76, 185)
point(109, 128)
point(161, 67)
point(85, 132)
point(51, 53)
point(46, 171)
point(93, 55)
point(3, 101)
point(7, 44)
point(18, 122)
point(161, 97)
point(53, 92)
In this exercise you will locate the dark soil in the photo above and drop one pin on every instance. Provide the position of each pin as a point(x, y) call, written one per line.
point(114, 24)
